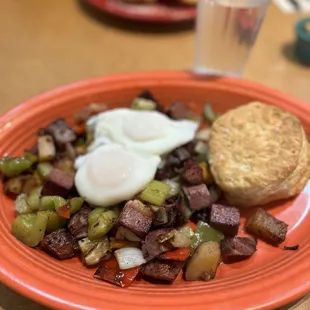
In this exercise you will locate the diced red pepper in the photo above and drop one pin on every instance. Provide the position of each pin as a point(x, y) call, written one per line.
point(110, 272)
point(79, 129)
point(64, 211)
point(180, 254)
point(190, 225)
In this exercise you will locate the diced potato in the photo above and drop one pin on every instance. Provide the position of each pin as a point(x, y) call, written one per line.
point(33, 182)
point(46, 148)
point(97, 253)
point(86, 245)
point(204, 262)
point(14, 186)
point(207, 177)
point(21, 206)
point(65, 164)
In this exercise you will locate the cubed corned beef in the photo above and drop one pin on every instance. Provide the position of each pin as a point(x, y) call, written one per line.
point(78, 224)
point(61, 132)
point(197, 196)
point(59, 243)
point(237, 248)
point(165, 270)
point(226, 219)
point(178, 110)
point(151, 247)
point(136, 217)
point(192, 173)
point(58, 184)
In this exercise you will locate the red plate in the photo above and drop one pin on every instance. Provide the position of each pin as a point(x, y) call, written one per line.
point(271, 278)
point(156, 12)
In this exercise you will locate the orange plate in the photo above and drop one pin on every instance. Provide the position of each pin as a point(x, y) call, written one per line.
point(271, 278)
point(158, 12)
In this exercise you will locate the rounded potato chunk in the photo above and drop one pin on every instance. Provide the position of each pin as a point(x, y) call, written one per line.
point(203, 264)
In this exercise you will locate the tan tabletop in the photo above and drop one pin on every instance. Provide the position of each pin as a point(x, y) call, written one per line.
point(44, 44)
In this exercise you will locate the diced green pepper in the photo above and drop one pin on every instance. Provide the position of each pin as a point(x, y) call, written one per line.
point(45, 169)
point(47, 203)
point(155, 193)
point(33, 199)
point(76, 204)
point(30, 156)
point(30, 228)
point(11, 167)
point(58, 201)
point(54, 221)
point(95, 214)
point(205, 233)
point(99, 227)
point(21, 206)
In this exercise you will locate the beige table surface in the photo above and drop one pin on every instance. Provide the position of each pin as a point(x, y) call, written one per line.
point(46, 43)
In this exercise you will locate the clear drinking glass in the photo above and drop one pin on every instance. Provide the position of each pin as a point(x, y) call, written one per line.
point(225, 34)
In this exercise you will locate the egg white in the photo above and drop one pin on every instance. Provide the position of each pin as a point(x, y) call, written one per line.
point(111, 174)
point(149, 132)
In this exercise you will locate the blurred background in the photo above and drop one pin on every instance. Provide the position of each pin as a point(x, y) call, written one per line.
point(45, 44)
point(49, 43)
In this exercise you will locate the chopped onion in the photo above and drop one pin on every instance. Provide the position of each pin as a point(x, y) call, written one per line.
point(203, 135)
point(201, 147)
point(181, 238)
point(162, 163)
point(174, 186)
point(21, 205)
point(124, 233)
point(97, 253)
point(209, 114)
point(129, 258)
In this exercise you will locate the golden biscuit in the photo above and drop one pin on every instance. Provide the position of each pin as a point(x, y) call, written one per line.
point(259, 153)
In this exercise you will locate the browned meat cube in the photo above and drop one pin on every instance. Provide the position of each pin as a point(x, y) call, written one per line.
point(59, 244)
point(83, 115)
point(61, 132)
point(266, 227)
point(78, 225)
point(192, 173)
point(198, 196)
point(165, 270)
point(151, 247)
point(225, 219)
point(237, 249)
point(59, 184)
point(136, 217)
point(178, 110)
